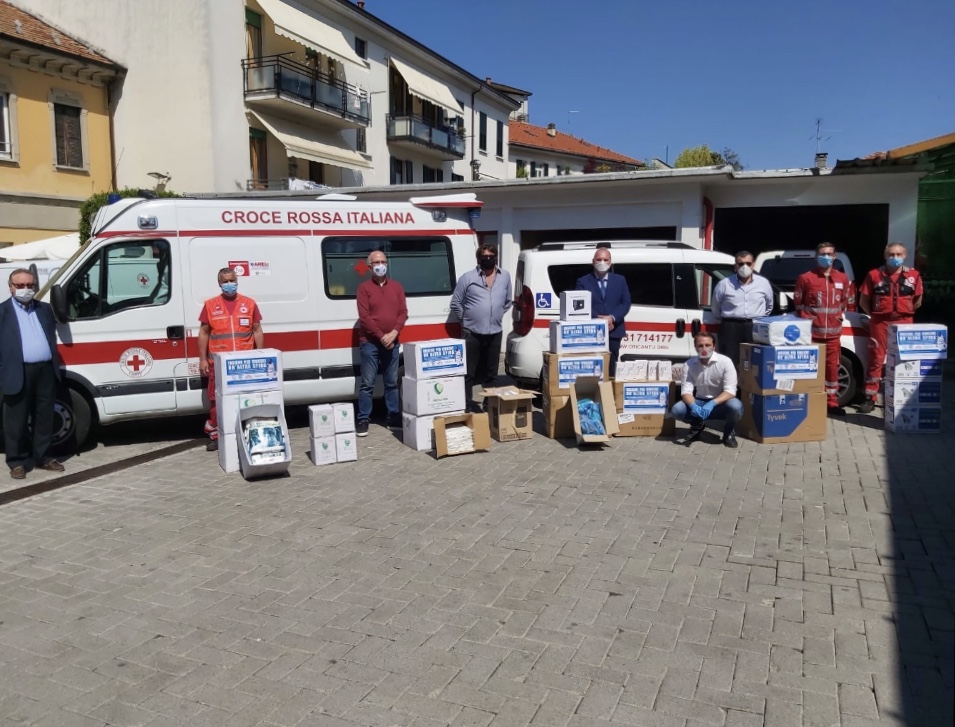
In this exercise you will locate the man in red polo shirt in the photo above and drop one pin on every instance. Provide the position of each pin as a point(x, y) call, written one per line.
point(382, 313)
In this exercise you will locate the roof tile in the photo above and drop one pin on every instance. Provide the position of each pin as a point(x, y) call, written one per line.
point(523, 134)
point(18, 24)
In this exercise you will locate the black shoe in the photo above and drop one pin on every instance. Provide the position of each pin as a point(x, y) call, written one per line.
point(361, 429)
point(213, 445)
point(729, 440)
point(696, 429)
point(867, 407)
point(836, 411)
point(394, 422)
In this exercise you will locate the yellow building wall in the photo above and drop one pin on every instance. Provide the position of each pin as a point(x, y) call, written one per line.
point(16, 236)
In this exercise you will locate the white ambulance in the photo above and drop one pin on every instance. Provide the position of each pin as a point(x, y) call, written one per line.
point(127, 302)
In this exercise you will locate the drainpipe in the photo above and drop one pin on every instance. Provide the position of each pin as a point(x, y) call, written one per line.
point(473, 119)
point(112, 135)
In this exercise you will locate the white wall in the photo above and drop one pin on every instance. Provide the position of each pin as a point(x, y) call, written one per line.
point(540, 157)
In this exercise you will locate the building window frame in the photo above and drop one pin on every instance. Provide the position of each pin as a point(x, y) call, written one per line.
point(361, 48)
point(10, 139)
point(258, 157)
point(482, 132)
point(253, 34)
point(499, 142)
point(68, 99)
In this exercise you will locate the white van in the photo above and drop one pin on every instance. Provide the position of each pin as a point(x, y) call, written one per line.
point(670, 288)
point(127, 303)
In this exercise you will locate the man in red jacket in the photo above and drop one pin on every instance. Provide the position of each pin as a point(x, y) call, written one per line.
point(890, 294)
point(822, 294)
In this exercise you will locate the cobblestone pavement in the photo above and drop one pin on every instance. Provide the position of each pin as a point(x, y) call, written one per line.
point(539, 584)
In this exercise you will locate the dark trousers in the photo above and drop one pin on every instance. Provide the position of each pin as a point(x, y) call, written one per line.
point(35, 403)
point(733, 332)
point(483, 359)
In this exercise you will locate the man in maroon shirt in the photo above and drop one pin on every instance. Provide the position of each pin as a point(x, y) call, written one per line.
point(382, 313)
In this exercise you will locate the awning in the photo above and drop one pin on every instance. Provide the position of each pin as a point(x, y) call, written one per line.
point(427, 88)
point(53, 248)
point(311, 144)
point(310, 32)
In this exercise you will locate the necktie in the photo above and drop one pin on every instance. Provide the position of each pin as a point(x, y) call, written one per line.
point(603, 288)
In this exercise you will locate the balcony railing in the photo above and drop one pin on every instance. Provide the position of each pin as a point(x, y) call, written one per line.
point(419, 131)
point(276, 185)
point(284, 77)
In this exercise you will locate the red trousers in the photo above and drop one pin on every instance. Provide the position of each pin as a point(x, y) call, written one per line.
point(833, 353)
point(212, 425)
point(878, 335)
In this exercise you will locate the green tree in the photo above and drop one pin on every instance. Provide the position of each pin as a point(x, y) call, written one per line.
point(91, 206)
point(703, 156)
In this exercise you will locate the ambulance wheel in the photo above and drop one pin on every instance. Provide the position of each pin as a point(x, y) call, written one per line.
point(848, 380)
point(72, 420)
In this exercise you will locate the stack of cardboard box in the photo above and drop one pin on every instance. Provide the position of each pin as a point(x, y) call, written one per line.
point(510, 411)
point(332, 433)
point(913, 377)
point(433, 385)
point(643, 392)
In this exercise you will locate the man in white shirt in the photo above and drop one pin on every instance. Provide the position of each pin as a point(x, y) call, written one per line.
point(708, 392)
point(737, 300)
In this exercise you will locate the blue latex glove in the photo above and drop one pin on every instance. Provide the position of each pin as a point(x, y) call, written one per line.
point(697, 411)
point(708, 408)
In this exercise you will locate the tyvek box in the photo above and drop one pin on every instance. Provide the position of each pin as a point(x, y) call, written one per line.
point(229, 406)
point(642, 398)
point(787, 330)
point(912, 393)
point(430, 359)
point(228, 452)
point(344, 417)
point(416, 431)
point(321, 420)
point(241, 371)
point(912, 341)
point(322, 450)
point(915, 369)
point(574, 304)
point(441, 395)
point(579, 336)
point(913, 419)
point(777, 418)
point(346, 447)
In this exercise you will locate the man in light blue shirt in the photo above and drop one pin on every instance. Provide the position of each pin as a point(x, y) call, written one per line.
point(737, 301)
point(480, 300)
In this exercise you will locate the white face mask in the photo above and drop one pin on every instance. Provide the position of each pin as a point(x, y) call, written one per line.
point(704, 352)
point(744, 271)
point(602, 267)
point(380, 269)
point(24, 295)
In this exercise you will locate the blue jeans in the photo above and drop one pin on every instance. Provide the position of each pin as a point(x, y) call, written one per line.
point(376, 358)
point(729, 411)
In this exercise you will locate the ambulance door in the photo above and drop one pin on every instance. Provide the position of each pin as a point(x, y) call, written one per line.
point(658, 325)
point(125, 331)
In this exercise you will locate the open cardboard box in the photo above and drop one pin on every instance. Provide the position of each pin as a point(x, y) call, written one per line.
point(590, 387)
point(477, 423)
point(511, 413)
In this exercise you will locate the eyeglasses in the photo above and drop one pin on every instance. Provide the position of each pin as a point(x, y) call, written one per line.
point(21, 286)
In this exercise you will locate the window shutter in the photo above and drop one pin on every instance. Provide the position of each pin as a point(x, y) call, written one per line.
point(69, 136)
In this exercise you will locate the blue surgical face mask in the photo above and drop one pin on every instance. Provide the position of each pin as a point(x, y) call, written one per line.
point(229, 288)
point(824, 261)
point(894, 263)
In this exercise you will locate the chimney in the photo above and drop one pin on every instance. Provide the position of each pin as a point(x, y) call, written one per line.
point(487, 80)
point(551, 129)
point(361, 4)
point(821, 158)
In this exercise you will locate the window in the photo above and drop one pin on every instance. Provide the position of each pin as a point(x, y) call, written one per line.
point(521, 167)
point(457, 177)
point(6, 131)
point(650, 284)
point(402, 171)
point(316, 172)
point(258, 158)
point(361, 48)
point(124, 275)
point(533, 169)
point(431, 174)
point(499, 149)
point(361, 140)
point(423, 265)
point(482, 132)
point(253, 34)
point(68, 133)
point(545, 170)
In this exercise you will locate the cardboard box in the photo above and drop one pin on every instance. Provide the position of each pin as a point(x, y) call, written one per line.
point(417, 432)
point(648, 397)
point(561, 369)
point(575, 304)
point(228, 406)
point(636, 370)
point(477, 423)
point(432, 359)
point(790, 369)
point(558, 417)
point(913, 419)
point(251, 470)
point(344, 417)
point(579, 336)
point(897, 369)
point(242, 371)
point(601, 392)
point(664, 371)
point(900, 394)
point(228, 452)
point(442, 395)
point(322, 450)
point(346, 447)
point(676, 371)
point(511, 413)
point(914, 341)
point(321, 420)
point(777, 418)
point(645, 425)
point(787, 330)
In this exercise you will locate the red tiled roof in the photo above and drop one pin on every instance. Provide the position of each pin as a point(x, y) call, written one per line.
point(19, 25)
point(523, 134)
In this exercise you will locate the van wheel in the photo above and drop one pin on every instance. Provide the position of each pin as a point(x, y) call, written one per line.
point(848, 380)
point(72, 420)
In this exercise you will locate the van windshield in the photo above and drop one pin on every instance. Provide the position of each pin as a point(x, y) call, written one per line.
point(64, 267)
point(783, 271)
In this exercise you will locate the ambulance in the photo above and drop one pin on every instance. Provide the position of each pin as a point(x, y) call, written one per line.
point(127, 302)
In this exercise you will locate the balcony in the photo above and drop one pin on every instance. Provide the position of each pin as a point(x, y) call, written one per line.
point(290, 89)
point(416, 134)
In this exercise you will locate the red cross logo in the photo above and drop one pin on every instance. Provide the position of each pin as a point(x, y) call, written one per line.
point(361, 267)
point(135, 363)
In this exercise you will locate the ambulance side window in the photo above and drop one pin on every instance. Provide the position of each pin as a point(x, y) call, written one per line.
point(423, 265)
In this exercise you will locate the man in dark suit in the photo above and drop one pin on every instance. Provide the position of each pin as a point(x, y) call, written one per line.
point(29, 372)
point(610, 300)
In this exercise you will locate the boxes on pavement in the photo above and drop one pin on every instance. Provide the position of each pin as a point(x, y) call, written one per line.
point(441, 395)
point(448, 443)
point(344, 417)
point(575, 304)
point(558, 417)
point(914, 341)
point(240, 371)
point(786, 417)
point(579, 336)
point(510, 411)
point(785, 330)
point(790, 369)
point(897, 369)
point(263, 450)
point(642, 408)
point(664, 371)
point(228, 452)
point(229, 405)
point(560, 370)
point(416, 432)
point(644, 425)
point(636, 370)
point(322, 450)
point(601, 393)
point(913, 419)
point(321, 420)
point(346, 447)
point(912, 393)
point(432, 359)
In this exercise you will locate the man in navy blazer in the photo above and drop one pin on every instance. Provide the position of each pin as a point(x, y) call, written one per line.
point(29, 372)
point(610, 300)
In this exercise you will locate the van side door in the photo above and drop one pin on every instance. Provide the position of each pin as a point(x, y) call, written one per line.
point(658, 325)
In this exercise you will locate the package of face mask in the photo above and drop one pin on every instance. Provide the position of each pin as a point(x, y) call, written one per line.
point(787, 330)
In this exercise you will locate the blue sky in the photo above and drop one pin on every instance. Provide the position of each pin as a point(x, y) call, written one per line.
point(753, 75)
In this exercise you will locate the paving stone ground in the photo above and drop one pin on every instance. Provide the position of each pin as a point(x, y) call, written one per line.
point(536, 585)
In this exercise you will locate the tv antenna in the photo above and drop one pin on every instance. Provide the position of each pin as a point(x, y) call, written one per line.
point(819, 135)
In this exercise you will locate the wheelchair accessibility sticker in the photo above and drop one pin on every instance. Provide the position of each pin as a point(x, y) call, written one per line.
point(543, 300)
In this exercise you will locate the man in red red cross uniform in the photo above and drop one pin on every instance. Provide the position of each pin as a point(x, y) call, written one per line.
point(228, 322)
point(890, 294)
point(822, 295)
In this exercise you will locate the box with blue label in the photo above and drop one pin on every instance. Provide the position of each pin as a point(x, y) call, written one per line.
point(914, 370)
point(787, 330)
point(241, 371)
point(913, 393)
point(788, 369)
point(913, 419)
point(561, 370)
point(579, 336)
point(642, 398)
point(778, 418)
point(432, 359)
point(911, 341)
